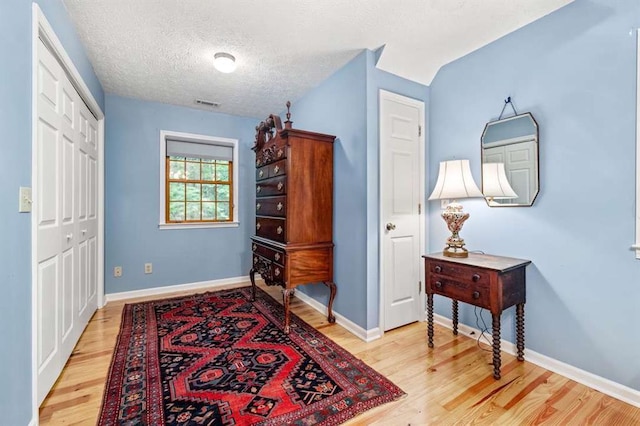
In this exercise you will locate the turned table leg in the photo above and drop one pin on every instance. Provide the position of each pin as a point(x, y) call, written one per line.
point(454, 308)
point(252, 277)
point(520, 330)
point(286, 297)
point(332, 288)
point(430, 319)
point(496, 346)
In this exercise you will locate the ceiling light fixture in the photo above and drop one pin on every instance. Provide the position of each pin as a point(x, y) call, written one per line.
point(224, 62)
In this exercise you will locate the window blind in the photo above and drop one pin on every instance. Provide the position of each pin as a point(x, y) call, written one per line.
point(199, 150)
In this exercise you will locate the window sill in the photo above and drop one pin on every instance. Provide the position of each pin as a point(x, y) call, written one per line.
point(166, 226)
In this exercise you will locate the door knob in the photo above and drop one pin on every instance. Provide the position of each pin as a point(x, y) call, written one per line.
point(69, 237)
point(390, 226)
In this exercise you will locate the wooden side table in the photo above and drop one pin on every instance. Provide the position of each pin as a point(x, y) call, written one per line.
point(490, 282)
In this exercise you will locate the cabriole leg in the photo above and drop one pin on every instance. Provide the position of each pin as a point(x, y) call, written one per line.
point(252, 277)
point(286, 298)
point(332, 288)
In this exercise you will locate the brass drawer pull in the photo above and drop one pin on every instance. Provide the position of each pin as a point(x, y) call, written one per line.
point(279, 230)
point(277, 256)
point(254, 247)
point(258, 206)
point(276, 169)
point(255, 260)
point(279, 206)
point(258, 162)
point(280, 186)
point(438, 268)
point(258, 188)
point(475, 278)
point(261, 173)
point(438, 284)
point(476, 295)
point(258, 225)
point(280, 152)
point(276, 272)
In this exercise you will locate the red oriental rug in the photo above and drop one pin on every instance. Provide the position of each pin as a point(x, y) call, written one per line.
point(218, 359)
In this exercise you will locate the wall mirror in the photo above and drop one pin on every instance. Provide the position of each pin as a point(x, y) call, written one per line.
point(512, 141)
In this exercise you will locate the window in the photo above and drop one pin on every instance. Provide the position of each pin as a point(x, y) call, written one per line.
point(197, 181)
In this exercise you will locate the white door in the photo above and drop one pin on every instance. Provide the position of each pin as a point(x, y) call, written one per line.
point(401, 174)
point(66, 269)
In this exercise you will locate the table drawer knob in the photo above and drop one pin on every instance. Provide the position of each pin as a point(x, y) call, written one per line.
point(276, 272)
point(254, 247)
point(277, 256)
point(279, 230)
point(438, 268)
point(476, 295)
point(261, 173)
point(280, 186)
point(276, 169)
point(258, 225)
point(279, 206)
point(258, 206)
point(438, 284)
point(258, 189)
point(255, 260)
point(280, 152)
point(475, 278)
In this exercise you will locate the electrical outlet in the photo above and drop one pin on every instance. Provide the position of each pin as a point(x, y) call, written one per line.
point(148, 268)
point(117, 271)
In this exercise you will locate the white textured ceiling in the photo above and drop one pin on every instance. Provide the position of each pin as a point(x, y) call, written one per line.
point(162, 50)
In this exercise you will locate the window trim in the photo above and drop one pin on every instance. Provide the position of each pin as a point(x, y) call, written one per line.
point(192, 137)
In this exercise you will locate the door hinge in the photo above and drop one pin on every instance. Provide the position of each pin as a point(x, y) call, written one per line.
point(419, 208)
point(419, 287)
point(419, 130)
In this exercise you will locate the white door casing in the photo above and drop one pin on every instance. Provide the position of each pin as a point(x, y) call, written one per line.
point(68, 210)
point(401, 198)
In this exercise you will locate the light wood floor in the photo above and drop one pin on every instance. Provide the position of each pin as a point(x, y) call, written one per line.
point(451, 384)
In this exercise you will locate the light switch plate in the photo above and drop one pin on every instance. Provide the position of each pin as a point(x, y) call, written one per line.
point(24, 203)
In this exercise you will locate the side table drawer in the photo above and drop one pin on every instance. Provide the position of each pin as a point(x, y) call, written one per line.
point(472, 293)
point(276, 256)
point(460, 273)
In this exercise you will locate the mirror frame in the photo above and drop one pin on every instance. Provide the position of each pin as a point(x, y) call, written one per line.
point(537, 158)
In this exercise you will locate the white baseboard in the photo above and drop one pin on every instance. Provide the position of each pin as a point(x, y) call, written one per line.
point(202, 285)
point(606, 386)
point(350, 326)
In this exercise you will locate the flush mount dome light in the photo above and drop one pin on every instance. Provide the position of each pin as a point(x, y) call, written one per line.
point(224, 62)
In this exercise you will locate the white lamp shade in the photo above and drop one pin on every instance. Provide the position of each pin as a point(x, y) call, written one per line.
point(224, 62)
point(455, 182)
point(495, 183)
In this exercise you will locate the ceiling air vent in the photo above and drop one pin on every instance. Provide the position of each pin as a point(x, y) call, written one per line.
point(207, 103)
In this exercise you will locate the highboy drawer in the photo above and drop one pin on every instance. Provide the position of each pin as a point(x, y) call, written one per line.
point(273, 186)
point(271, 228)
point(269, 253)
point(271, 206)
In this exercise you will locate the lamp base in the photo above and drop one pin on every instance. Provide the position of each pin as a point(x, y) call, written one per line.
point(454, 216)
point(459, 252)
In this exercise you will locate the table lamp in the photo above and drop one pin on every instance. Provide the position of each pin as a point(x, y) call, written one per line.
point(455, 182)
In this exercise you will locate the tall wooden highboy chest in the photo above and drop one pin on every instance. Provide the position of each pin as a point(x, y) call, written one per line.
point(293, 242)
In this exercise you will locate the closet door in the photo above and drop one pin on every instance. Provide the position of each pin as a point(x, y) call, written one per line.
point(66, 222)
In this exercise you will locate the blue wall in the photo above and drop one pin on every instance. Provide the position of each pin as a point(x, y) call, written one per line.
point(15, 171)
point(575, 71)
point(346, 105)
point(132, 237)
